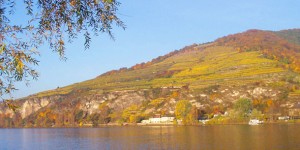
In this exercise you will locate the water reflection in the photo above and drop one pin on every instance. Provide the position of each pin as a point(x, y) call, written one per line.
point(192, 137)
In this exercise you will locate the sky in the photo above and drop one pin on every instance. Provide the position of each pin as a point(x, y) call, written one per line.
point(155, 28)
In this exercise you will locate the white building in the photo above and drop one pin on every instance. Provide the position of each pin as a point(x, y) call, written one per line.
point(159, 120)
point(284, 118)
point(255, 122)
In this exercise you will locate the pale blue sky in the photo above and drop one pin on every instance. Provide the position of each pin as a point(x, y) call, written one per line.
point(154, 28)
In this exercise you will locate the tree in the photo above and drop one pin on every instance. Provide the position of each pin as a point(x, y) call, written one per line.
point(192, 117)
point(182, 109)
point(51, 22)
point(243, 106)
point(256, 114)
point(104, 113)
point(131, 114)
point(79, 115)
point(94, 118)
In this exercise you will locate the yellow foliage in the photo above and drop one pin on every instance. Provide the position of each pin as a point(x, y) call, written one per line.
point(42, 114)
point(129, 111)
point(156, 102)
point(213, 65)
point(182, 109)
point(133, 119)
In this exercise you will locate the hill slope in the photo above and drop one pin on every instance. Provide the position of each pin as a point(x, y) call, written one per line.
point(292, 35)
point(234, 59)
point(260, 65)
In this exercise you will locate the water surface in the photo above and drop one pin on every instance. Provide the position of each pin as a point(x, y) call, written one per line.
point(242, 137)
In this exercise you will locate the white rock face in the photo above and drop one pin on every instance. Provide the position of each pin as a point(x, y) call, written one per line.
point(171, 112)
point(235, 93)
point(32, 105)
point(117, 100)
point(92, 106)
point(198, 105)
point(25, 109)
point(203, 95)
point(192, 101)
point(44, 102)
point(219, 101)
point(258, 91)
point(172, 101)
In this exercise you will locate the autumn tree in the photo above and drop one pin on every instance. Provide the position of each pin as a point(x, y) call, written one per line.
point(79, 115)
point(94, 119)
point(243, 106)
point(260, 105)
point(45, 118)
point(256, 114)
point(192, 117)
point(51, 22)
point(182, 109)
point(104, 113)
point(270, 109)
point(131, 114)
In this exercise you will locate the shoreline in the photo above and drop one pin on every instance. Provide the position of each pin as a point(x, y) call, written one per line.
point(156, 124)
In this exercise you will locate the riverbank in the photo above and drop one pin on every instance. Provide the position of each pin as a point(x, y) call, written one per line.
point(198, 124)
point(167, 124)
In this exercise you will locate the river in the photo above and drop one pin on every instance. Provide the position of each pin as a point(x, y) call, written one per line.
point(225, 137)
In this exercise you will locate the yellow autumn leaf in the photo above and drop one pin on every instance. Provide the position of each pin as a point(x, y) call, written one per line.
point(19, 65)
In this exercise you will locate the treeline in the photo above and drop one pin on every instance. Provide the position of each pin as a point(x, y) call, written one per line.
point(270, 44)
point(185, 113)
point(69, 112)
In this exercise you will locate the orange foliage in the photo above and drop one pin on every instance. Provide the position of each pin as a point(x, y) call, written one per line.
point(270, 103)
point(47, 114)
point(218, 109)
point(214, 96)
point(271, 45)
point(175, 94)
point(256, 102)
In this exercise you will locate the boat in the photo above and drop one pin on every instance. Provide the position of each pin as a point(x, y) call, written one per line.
point(255, 122)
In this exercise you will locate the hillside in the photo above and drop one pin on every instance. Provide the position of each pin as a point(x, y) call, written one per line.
point(292, 35)
point(263, 66)
point(237, 59)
